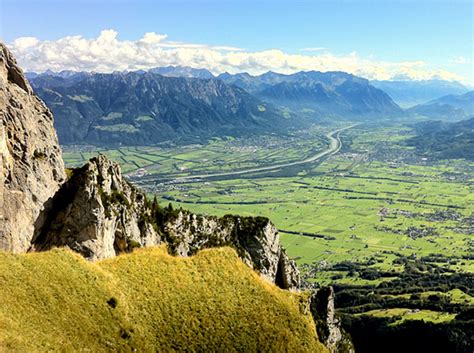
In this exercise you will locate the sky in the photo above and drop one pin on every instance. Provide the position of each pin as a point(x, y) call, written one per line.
point(376, 39)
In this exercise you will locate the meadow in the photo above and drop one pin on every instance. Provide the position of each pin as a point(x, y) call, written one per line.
point(147, 301)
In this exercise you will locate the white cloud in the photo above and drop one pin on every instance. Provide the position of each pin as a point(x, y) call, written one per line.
point(460, 60)
point(108, 53)
point(314, 49)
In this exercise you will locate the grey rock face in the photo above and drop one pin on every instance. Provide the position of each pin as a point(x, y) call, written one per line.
point(255, 239)
point(98, 214)
point(31, 166)
point(328, 324)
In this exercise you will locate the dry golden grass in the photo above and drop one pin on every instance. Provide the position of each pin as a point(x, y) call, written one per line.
point(210, 302)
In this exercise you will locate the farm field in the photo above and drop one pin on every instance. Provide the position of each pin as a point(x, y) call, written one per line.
point(375, 203)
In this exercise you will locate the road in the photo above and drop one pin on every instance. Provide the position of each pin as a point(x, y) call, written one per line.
point(335, 145)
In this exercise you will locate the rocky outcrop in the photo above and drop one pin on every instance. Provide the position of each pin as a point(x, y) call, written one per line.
point(98, 214)
point(327, 323)
point(31, 166)
point(255, 239)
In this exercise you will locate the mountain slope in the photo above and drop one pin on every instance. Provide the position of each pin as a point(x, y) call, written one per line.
point(147, 301)
point(410, 93)
point(451, 107)
point(439, 140)
point(132, 108)
point(327, 93)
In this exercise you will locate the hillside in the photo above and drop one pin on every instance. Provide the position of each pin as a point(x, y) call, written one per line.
point(134, 108)
point(147, 301)
point(326, 93)
point(410, 93)
point(450, 107)
point(440, 140)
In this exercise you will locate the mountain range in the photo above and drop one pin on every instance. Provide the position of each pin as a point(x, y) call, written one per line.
point(410, 93)
point(184, 105)
point(182, 71)
point(326, 93)
point(145, 108)
point(450, 107)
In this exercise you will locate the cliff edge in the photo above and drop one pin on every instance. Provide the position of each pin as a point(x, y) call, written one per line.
point(32, 168)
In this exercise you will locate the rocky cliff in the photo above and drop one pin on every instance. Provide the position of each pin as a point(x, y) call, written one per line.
point(327, 323)
point(31, 165)
point(97, 213)
point(255, 238)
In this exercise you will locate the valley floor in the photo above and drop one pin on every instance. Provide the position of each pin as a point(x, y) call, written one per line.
point(373, 213)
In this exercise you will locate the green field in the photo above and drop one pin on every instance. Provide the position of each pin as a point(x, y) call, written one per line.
point(372, 203)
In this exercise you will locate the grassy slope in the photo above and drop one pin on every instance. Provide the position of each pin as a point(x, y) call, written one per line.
point(57, 301)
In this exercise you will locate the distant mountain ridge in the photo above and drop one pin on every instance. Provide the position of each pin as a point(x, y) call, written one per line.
point(188, 104)
point(134, 108)
point(410, 93)
point(182, 71)
point(183, 105)
point(332, 93)
point(328, 94)
point(450, 107)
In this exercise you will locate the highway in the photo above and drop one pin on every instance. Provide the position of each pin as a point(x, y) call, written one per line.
point(335, 145)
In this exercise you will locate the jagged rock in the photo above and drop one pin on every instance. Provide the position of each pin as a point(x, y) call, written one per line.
point(31, 166)
point(98, 214)
point(327, 323)
point(255, 238)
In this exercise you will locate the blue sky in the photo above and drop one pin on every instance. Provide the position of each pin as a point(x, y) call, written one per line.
point(438, 33)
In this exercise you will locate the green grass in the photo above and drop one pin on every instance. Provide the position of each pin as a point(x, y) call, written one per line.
point(118, 128)
point(402, 314)
point(147, 301)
